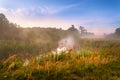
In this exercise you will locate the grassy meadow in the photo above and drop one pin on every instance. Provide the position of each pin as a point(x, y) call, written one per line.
point(96, 59)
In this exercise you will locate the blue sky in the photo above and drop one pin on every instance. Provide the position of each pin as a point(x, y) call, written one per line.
point(98, 16)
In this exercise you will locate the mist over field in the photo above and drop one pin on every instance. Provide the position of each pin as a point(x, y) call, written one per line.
point(59, 40)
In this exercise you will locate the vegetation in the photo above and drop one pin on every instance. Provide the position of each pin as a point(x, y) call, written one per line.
point(29, 41)
point(97, 59)
point(25, 54)
point(116, 34)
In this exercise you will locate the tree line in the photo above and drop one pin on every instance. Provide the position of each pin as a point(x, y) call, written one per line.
point(115, 34)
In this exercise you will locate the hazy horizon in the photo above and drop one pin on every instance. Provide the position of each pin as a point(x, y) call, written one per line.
point(97, 16)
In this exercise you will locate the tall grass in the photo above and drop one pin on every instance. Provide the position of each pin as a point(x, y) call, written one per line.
point(96, 59)
point(23, 49)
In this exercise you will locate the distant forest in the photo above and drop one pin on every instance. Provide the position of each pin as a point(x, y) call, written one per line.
point(17, 40)
point(115, 35)
point(11, 31)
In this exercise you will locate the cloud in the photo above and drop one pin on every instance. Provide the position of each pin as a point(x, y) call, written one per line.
point(37, 11)
point(43, 16)
point(56, 10)
point(23, 16)
point(97, 24)
point(32, 17)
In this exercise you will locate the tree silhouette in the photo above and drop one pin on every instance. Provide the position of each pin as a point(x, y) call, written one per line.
point(83, 31)
point(73, 29)
point(117, 31)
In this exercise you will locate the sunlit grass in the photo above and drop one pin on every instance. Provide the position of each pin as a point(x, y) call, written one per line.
point(95, 60)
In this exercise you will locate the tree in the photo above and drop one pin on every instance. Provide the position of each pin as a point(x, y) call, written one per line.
point(3, 19)
point(83, 31)
point(8, 30)
point(74, 32)
point(117, 31)
point(73, 29)
point(116, 34)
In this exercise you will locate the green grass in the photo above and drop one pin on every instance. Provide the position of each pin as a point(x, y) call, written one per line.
point(23, 49)
point(97, 59)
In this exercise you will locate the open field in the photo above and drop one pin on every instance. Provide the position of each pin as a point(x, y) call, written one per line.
point(96, 59)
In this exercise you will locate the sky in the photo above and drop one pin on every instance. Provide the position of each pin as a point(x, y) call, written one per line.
point(98, 16)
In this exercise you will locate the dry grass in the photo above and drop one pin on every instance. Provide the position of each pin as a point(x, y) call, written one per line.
point(96, 60)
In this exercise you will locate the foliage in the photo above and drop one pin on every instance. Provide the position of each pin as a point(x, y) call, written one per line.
point(115, 35)
point(28, 41)
point(97, 59)
point(117, 31)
